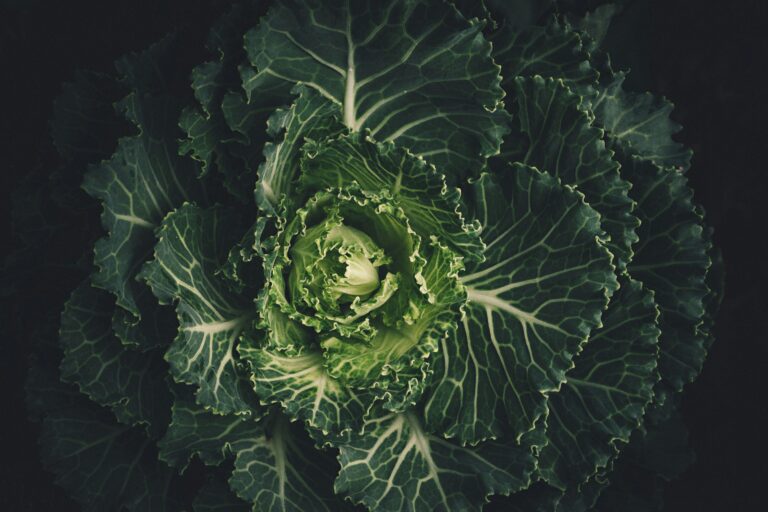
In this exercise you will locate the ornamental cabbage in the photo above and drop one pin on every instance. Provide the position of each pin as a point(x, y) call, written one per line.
point(402, 255)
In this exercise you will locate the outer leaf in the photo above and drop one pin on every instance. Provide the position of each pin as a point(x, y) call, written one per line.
point(283, 470)
point(144, 179)
point(640, 122)
point(539, 497)
point(605, 396)
point(193, 244)
point(553, 51)
point(432, 208)
point(671, 259)
point(276, 465)
point(140, 184)
point(310, 117)
point(414, 72)
point(205, 126)
point(715, 281)
point(596, 23)
point(85, 125)
point(650, 460)
point(225, 132)
point(397, 465)
point(516, 13)
point(554, 134)
point(532, 303)
point(102, 464)
point(156, 328)
point(302, 385)
point(131, 383)
point(195, 431)
point(216, 496)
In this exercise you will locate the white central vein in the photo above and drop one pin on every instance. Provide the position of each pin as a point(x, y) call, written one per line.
point(350, 86)
point(492, 300)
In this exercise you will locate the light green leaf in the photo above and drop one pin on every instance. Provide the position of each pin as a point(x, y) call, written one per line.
point(310, 117)
point(396, 363)
point(552, 132)
point(284, 471)
point(532, 303)
point(415, 72)
point(641, 123)
point(193, 243)
point(131, 383)
point(432, 207)
point(672, 259)
point(397, 465)
point(605, 396)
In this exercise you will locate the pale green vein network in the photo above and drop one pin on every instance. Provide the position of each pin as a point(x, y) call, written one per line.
point(397, 465)
point(531, 304)
point(414, 71)
point(192, 245)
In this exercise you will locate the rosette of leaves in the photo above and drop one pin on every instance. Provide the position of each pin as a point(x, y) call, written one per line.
point(397, 255)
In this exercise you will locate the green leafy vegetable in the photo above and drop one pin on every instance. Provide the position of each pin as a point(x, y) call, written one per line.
point(400, 255)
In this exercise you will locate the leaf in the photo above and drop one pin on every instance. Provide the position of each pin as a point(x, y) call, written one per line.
point(223, 131)
point(156, 327)
point(671, 259)
point(305, 390)
point(204, 125)
point(539, 497)
point(193, 243)
point(196, 431)
point(554, 51)
point(596, 23)
point(605, 395)
point(415, 72)
point(276, 466)
point(104, 465)
point(532, 304)
point(138, 186)
point(641, 123)
point(283, 470)
point(650, 460)
point(715, 282)
point(397, 465)
point(517, 14)
point(85, 125)
point(432, 207)
point(553, 133)
point(131, 383)
point(310, 117)
point(216, 496)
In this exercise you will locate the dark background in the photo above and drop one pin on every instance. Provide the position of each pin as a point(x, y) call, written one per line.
point(708, 57)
